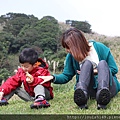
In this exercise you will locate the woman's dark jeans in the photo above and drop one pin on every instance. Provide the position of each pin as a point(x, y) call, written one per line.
point(86, 78)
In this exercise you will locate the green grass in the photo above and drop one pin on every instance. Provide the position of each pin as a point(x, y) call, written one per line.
point(62, 107)
point(61, 104)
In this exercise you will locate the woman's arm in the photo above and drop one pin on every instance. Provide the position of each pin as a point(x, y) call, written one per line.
point(65, 76)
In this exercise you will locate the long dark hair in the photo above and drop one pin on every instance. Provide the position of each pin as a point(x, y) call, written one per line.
point(74, 40)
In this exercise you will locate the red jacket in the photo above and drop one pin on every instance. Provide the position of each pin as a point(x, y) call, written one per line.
point(20, 77)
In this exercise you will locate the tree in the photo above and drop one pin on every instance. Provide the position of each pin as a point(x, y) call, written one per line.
point(48, 30)
point(43, 34)
point(6, 40)
point(4, 74)
point(81, 25)
point(14, 22)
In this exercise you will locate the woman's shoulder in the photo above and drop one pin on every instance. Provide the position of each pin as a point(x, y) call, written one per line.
point(98, 44)
point(69, 57)
point(95, 42)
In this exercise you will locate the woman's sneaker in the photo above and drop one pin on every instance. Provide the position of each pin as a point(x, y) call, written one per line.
point(3, 102)
point(40, 103)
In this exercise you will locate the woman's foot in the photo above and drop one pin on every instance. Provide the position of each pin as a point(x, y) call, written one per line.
point(103, 98)
point(80, 98)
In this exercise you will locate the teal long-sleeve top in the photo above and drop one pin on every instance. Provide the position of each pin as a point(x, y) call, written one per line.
point(71, 66)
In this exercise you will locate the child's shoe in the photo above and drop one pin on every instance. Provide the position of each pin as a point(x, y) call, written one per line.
point(40, 103)
point(3, 102)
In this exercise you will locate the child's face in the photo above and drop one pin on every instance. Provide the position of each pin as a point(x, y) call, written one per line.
point(27, 67)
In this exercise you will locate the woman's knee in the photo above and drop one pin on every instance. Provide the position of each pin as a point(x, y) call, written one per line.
point(102, 62)
point(87, 63)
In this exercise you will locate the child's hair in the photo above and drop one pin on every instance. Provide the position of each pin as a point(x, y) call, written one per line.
point(28, 55)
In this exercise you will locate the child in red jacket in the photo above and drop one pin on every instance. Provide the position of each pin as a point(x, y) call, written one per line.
point(27, 74)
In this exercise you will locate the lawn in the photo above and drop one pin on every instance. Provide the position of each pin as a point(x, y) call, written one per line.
point(62, 104)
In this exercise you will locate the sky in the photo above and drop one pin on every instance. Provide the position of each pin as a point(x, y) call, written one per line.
point(102, 15)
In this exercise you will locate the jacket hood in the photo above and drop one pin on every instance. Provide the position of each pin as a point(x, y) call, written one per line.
point(43, 63)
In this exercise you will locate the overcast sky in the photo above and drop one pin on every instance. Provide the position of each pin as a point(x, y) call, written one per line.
point(102, 15)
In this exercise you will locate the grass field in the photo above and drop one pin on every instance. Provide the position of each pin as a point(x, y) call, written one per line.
point(61, 104)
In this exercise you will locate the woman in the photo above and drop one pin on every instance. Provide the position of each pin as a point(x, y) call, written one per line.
point(94, 67)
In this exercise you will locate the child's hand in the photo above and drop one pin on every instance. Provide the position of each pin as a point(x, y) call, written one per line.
point(1, 95)
point(15, 71)
point(29, 78)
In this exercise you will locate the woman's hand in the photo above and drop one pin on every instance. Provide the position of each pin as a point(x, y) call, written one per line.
point(78, 71)
point(45, 78)
point(95, 71)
